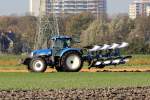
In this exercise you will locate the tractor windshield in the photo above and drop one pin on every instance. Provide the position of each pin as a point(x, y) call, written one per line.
point(61, 43)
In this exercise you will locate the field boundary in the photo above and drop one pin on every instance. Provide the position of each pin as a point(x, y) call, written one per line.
point(88, 70)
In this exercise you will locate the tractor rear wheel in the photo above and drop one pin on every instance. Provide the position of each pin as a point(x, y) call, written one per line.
point(71, 62)
point(38, 65)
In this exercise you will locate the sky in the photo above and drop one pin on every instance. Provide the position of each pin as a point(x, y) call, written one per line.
point(20, 7)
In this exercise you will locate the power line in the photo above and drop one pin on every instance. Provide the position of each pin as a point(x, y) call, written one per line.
point(47, 24)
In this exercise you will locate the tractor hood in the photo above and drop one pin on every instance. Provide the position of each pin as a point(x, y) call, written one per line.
point(42, 52)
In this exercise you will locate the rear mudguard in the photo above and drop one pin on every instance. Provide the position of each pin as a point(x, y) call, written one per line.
point(63, 51)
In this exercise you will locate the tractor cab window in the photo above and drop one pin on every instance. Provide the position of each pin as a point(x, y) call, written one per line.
point(67, 43)
point(61, 43)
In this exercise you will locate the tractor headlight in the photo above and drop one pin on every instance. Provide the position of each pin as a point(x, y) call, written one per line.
point(31, 54)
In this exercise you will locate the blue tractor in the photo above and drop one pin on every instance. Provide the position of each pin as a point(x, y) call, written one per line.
point(60, 56)
point(66, 59)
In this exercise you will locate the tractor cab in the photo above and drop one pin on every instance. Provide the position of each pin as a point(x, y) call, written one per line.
point(59, 43)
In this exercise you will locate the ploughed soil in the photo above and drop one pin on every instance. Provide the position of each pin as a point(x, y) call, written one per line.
point(137, 93)
point(87, 70)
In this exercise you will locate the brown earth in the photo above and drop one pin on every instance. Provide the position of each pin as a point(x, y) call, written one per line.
point(88, 70)
point(117, 70)
point(8, 62)
point(137, 93)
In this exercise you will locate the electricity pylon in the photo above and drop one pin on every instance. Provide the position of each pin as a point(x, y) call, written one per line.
point(47, 25)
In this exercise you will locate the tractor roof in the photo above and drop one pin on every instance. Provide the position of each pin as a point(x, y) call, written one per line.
point(61, 37)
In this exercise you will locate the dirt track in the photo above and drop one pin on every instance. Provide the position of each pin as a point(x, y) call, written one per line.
point(88, 70)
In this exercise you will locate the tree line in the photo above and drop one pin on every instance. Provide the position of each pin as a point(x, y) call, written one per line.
point(88, 28)
point(24, 29)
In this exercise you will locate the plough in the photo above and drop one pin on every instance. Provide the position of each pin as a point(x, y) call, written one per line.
point(100, 56)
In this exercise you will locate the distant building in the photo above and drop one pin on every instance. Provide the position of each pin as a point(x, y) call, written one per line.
point(97, 7)
point(148, 11)
point(139, 8)
point(144, 1)
point(34, 7)
point(145, 5)
point(135, 9)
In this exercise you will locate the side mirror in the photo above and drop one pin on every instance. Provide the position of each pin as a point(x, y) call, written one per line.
point(75, 40)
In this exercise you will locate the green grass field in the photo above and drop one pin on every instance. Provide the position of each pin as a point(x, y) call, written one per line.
point(73, 80)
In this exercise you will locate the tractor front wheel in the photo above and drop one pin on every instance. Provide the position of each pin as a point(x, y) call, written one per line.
point(37, 65)
point(71, 62)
